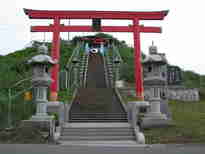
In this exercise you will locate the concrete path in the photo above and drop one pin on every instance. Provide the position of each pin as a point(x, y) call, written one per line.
point(59, 149)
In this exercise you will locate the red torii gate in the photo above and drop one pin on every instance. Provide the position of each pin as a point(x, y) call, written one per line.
point(56, 28)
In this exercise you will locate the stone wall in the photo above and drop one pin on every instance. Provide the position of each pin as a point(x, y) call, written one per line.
point(183, 94)
point(171, 93)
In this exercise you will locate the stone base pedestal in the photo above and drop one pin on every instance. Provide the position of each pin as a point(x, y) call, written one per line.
point(58, 108)
point(43, 123)
point(155, 122)
point(41, 117)
point(155, 118)
point(153, 115)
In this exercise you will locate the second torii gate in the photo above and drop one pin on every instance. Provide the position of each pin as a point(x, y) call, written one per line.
point(136, 29)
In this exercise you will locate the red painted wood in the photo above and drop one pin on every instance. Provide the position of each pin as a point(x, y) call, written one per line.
point(89, 29)
point(46, 14)
point(138, 65)
point(55, 54)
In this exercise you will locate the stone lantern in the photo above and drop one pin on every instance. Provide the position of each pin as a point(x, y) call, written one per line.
point(41, 81)
point(155, 84)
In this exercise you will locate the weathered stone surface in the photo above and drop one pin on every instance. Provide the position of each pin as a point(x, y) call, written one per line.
point(155, 122)
point(164, 108)
point(46, 125)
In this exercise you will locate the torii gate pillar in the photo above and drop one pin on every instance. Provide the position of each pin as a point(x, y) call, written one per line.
point(55, 54)
point(137, 62)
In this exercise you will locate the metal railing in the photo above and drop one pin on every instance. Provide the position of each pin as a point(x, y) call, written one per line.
point(72, 67)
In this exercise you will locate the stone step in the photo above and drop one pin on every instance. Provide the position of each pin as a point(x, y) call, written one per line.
point(103, 143)
point(97, 129)
point(100, 119)
point(97, 138)
point(99, 114)
point(105, 125)
point(97, 120)
point(96, 133)
point(89, 117)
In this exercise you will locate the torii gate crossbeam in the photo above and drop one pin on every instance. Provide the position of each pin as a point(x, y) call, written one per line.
point(136, 29)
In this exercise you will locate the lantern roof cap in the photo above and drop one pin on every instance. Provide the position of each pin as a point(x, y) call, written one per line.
point(42, 59)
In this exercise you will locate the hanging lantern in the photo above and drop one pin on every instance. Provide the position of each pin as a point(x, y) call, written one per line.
point(28, 96)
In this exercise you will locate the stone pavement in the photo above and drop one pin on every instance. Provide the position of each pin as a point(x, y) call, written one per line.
point(60, 149)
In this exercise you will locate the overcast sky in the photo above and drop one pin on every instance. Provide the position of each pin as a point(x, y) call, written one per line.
point(183, 29)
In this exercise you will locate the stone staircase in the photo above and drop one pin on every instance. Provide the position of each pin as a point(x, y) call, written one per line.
point(96, 72)
point(96, 113)
point(102, 105)
point(97, 132)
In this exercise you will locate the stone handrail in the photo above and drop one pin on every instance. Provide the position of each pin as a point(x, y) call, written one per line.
point(117, 53)
point(106, 70)
point(120, 98)
point(70, 66)
point(67, 112)
point(86, 71)
point(133, 111)
point(74, 55)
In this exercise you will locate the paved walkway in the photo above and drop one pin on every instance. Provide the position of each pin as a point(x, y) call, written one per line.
point(60, 149)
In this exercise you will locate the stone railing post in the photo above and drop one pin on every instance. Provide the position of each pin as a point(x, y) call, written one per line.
point(133, 111)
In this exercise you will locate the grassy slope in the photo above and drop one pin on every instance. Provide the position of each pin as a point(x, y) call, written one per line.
point(189, 119)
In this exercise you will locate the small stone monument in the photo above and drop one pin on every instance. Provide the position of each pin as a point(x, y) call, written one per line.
point(41, 81)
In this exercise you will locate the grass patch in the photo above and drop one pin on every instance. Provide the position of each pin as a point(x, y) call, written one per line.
point(65, 96)
point(189, 119)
